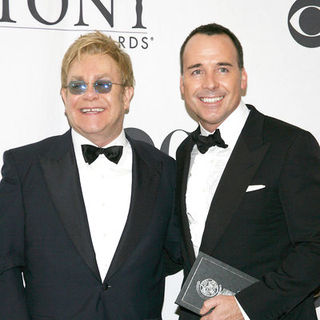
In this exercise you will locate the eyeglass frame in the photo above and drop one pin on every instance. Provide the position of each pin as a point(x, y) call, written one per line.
point(95, 84)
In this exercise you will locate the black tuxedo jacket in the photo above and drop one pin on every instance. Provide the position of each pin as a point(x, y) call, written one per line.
point(273, 233)
point(44, 233)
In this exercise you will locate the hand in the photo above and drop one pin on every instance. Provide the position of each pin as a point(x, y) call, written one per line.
point(225, 308)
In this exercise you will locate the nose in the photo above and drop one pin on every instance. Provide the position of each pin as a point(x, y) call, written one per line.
point(90, 93)
point(210, 81)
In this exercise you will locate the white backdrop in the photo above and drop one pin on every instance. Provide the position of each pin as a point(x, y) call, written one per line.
point(283, 74)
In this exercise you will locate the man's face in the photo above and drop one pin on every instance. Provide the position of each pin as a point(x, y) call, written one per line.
point(211, 83)
point(96, 116)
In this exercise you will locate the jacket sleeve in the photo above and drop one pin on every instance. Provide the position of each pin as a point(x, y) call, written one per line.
point(12, 297)
point(172, 254)
point(297, 277)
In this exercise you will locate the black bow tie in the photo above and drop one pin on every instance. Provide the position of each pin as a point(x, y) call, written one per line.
point(204, 143)
point(91, 153)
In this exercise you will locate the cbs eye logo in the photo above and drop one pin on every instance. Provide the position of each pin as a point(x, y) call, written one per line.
point(304, 22)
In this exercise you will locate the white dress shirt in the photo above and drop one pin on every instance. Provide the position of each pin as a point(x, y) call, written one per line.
point(106, 190)
point(205, 172)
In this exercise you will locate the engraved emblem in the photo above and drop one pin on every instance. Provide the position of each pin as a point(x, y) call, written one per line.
point(208, 288)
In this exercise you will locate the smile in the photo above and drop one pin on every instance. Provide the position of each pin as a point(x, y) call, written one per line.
point(212, 99)
point(91, 110)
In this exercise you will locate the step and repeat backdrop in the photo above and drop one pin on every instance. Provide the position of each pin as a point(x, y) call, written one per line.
point(281, 42)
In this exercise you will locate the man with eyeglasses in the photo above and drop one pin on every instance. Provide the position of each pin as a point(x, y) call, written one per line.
point(87, 217)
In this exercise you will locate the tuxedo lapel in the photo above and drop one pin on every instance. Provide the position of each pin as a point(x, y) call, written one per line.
point(183, 164)
point(145, 184)
point(61, 174)
point(240, 169)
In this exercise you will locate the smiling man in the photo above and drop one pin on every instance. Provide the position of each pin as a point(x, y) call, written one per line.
point(87, 217)
point(248, 187)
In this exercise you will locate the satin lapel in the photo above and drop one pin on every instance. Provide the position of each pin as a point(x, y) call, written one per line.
point(183, 164)
point(61, 174)
point(145, 185)
point(241, 167)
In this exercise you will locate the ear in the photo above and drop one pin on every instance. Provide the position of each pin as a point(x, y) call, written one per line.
point(182, 87)
point(244, 80)
point(127, 96)
point(63, 94)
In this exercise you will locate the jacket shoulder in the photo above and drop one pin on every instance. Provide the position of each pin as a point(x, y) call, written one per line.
point(149, 151)
point(275, 129)
point(31, 151)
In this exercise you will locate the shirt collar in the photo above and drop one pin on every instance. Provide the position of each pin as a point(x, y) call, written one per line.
point(79, 140)
point(231, 127)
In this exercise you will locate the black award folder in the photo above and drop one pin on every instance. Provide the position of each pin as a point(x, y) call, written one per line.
point(210, 277)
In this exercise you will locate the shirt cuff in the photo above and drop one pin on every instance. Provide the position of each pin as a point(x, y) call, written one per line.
point(245, 316)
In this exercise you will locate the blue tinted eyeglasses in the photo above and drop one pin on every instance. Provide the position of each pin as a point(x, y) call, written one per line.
point(100, 86)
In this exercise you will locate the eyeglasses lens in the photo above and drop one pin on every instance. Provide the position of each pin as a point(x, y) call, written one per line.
point(77, 87)
point(102, 86)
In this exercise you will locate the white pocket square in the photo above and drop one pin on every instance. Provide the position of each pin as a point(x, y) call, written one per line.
point(255, 187)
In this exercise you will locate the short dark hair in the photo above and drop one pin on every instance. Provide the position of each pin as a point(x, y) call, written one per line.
point(212, 29)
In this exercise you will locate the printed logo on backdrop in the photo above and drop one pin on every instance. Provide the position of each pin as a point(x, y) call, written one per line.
point(169, 144)
point(304, 22)
point(125, 24)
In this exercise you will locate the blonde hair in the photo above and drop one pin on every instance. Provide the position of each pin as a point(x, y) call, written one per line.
point(98, 43)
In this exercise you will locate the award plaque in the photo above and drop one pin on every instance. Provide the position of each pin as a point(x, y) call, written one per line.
point(210, 277)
